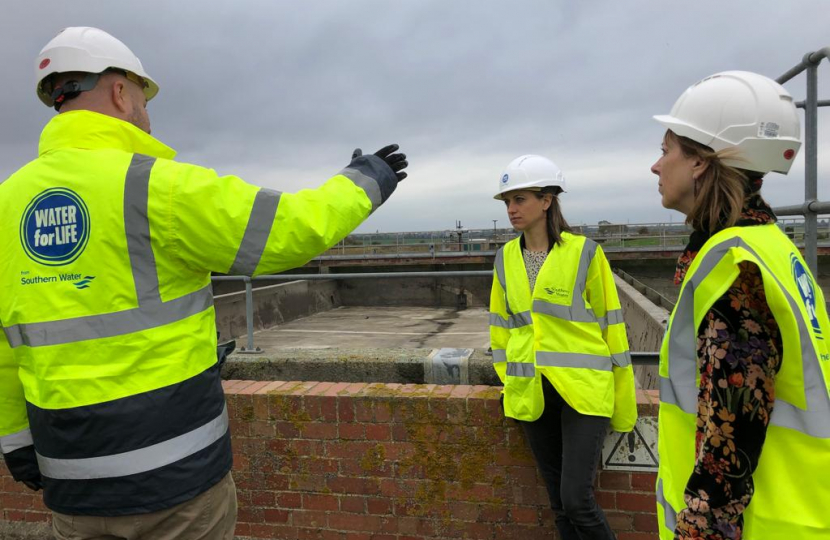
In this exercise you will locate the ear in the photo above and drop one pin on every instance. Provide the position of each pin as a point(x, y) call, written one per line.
point(547, 201)
point(120, 95)
point(699, 167)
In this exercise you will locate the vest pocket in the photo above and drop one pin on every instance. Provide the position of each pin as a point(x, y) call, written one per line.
point(523, 398)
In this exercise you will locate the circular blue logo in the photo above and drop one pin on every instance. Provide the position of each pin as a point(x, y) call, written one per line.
point(54, 230)
point(806, 288)
point(504, 179)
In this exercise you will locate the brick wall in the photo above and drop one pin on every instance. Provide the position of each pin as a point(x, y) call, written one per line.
point(361, 461)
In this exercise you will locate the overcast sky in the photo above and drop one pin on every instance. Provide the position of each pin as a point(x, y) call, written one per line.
point(280, 92)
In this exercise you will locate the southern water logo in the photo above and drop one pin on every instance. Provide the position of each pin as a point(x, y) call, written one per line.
point(54, 230)
point(806, 288)
point(505, 178)
point(84, 283)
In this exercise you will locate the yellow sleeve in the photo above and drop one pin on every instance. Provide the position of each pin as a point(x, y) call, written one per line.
point(499, 332)
point(14, 423)
point(223, 224)
point(602, 295)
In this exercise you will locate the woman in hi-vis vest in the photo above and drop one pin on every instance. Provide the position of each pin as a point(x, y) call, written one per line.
point(559, 344)
point(744, 429)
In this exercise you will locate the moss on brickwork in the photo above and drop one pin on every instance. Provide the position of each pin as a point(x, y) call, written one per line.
point(374, 458)
point(247, 414)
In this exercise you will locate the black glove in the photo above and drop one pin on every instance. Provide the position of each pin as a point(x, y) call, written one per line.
point(22, 463)
point(223, 350)
point(396, 161)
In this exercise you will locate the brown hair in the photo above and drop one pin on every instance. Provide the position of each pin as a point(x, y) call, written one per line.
point(720, 191)
point(554, 220)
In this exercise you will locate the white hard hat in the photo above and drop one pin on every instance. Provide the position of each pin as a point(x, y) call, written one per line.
point(742, 110)
point(88, 50)
point(530, 172)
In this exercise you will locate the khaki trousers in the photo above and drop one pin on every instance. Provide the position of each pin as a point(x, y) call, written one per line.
point(210, 516)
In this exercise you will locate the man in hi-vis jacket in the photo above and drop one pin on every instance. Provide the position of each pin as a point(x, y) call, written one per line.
point(110, 396)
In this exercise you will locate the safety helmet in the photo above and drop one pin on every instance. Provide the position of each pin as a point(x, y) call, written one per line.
point(88, 50)
point(741, 110)
point(530, 172)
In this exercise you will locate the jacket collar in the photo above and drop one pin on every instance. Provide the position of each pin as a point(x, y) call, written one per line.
point(92, 131)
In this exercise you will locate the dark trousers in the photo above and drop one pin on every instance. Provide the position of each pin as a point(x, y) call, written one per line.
point(566, 445)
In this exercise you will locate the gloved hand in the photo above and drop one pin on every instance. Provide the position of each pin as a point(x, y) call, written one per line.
point(397, 162)
point(223, 350)
point(22, 463)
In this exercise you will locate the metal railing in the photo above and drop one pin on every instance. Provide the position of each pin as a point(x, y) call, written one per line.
point(639, 358)
point(811, 207)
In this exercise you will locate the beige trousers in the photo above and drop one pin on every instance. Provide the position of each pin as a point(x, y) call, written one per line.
point(210, 516)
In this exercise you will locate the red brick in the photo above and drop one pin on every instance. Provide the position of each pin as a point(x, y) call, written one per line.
point(524, 515)
point(318, 534)
point(16, 501)
point(606, 499)
point(620, 521)
point(636, 502)
point(262, 498)
point(359, 486)
point(494, 513)
point(643, 481)
point(615, 480)
point(383, 411)
point(463, 511)
point(272, 531)
point(319, 430)
point(355, 505)
point(347, 449)
point(645, 523)
point(319, 502)
point(378, 432)
point(309, 518)
point(364, 410)
point(354, 522)
point(345, 409)
point(289, 500)
point(252, 388)
point(378, 506)
point(286, 430)
point(273, 515)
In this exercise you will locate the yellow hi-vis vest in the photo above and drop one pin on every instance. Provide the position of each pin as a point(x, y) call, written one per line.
point(569, 328)
point(792, 498)
point(105, 298)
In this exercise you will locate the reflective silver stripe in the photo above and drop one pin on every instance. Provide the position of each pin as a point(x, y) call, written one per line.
point(15, 441)
point(681, 387)
point(669, 512)
point(573, 360)
point(137, 228)
point(615, 316)
point(622, 359)
point(521, 369)
point(589, 250)
point(815, 423)
point(576, 312)
point(109, 324)
point(257, 231)
point(137, 461)
point(499, 355)
point(367, 184)
point(499, 266)
point(517, 320)
point(498, 321)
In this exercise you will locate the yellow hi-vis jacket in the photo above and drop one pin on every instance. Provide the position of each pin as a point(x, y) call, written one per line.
point(569, 328)
point(792, 498)
point(105, 297)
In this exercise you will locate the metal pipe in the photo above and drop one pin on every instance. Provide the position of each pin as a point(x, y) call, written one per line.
point(249, 315)
point(820, 103)
point(811, 169)
point(357, 275)
point(810, 59)
point(817, 207)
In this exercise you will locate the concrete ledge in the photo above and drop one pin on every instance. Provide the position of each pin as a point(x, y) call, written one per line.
point(405, 366)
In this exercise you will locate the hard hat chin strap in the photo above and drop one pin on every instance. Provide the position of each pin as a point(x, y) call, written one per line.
point(72, 89)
